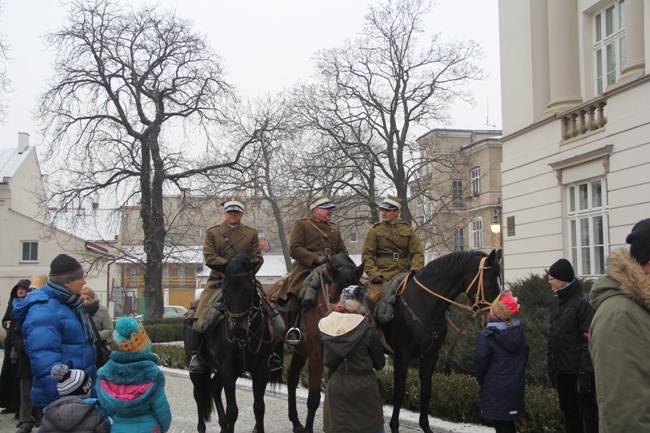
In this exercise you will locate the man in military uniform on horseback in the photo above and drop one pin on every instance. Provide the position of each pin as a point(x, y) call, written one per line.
point(312, 240)
point(390, 248)
point(222, 241)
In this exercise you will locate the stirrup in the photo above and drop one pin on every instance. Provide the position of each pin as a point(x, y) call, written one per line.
point(275, 362)
point(293, 336)
point(196, 364)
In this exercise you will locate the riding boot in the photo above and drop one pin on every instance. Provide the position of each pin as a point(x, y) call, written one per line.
point(293, 309)
point(196, 363)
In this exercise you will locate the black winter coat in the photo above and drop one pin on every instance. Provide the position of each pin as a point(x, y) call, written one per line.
point(500, 359)
point(568, 340)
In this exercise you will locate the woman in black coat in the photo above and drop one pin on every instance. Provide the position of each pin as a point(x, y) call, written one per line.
point(9, 383)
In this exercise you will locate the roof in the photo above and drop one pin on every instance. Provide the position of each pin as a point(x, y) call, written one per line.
point(10, 160)
point(98, 225)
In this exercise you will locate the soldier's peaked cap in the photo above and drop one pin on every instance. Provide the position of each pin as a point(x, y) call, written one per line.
point(391, 202)
point(233, 205)
point(322, 202)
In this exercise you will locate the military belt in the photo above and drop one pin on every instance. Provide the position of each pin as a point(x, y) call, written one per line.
point(395, 256)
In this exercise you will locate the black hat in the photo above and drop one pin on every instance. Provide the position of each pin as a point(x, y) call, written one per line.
point(562, 270)
point(70, 381)
point(64, 269)
point(391, 203)
point(25, 283)
point(322, 202)
point(639, 240)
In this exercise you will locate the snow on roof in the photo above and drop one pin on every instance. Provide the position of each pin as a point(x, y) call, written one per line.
point(10, 160)
point(173, 254)
point(96, 225)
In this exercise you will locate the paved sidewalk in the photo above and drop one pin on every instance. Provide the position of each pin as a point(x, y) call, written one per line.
point(179, 393)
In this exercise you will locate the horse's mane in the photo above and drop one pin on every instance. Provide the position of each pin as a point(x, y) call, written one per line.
point(345, 266)
point(450, 264)
point(341, 261)
point(240, 262)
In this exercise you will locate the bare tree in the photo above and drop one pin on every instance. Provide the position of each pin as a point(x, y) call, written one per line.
point(373, 92)
point(124, 81)
point(4, 79)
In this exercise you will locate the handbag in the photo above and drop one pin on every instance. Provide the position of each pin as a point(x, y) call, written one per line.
point(103, 352)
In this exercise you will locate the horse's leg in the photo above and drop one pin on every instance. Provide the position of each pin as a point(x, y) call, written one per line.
point(293, 378)
point(202, 398)
point(399, 384)
point(426, 371)
point(260, 379)
point(229, 382)
point(315, 370)
point(217, 388)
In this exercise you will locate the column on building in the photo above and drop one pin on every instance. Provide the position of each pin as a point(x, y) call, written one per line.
point(563, 46)
point(634, 41)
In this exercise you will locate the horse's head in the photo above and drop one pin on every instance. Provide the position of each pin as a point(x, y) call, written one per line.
point(342, 272)
point(487, 287)
point(239, 289)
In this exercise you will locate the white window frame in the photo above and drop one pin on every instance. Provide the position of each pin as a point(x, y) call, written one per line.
point(587, 222)
point(475, 179)
point(610, 51)
point(476, 233)
point(354, 237)
point(32, 253)
point(181, 272)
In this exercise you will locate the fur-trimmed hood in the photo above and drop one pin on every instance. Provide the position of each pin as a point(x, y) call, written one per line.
point(625, 277)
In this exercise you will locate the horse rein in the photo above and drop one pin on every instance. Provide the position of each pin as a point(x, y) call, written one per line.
point(478, 300)
point(475, 309)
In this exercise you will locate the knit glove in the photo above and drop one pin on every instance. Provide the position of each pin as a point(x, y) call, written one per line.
point(320, 260)
point(378, 280)
point(585, 383)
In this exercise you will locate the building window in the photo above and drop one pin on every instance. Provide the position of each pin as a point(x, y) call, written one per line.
point(181, 272)
point(133, 272)
point(587, 220)
point(609, 44)
point(354, 237)
point(475, 176)
point(459, 239)
point(28, 251)
point(260, 232)
point(198, 234)
point(457, 192)
point(476, 228)
point(165, 272)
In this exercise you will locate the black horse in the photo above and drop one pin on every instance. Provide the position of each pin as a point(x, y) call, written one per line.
point(339, 273)
point(241, 342)
point(419, 327)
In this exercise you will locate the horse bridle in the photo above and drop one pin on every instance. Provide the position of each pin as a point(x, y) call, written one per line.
point(479, 299)
point(251, 313)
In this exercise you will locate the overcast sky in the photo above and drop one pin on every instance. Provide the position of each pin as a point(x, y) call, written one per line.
point(266, 45)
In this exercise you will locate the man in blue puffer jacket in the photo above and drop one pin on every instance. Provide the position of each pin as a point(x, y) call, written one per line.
point(56, 329)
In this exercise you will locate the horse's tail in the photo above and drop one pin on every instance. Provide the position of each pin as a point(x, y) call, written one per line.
point(275, 377)
point(203, 394)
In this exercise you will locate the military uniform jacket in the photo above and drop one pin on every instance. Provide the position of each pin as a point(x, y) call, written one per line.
point(384, 242)
point(309, 239)
point(217, 251)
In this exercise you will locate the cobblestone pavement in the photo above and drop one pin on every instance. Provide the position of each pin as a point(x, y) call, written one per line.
point(179, 393)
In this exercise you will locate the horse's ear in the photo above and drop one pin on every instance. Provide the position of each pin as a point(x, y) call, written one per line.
point(495, 256)
point(358, 271)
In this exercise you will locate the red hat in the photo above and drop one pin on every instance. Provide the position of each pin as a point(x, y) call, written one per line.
point(505, 306)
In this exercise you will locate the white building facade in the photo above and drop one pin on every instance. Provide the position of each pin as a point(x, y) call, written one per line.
point(576, 130)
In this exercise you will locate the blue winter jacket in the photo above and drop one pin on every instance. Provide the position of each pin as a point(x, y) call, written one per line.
point(500, 359)
point(131, 388)
point(53, 334)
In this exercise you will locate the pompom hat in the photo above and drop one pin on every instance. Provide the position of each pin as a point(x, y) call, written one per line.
point(562, 270)
point(505, 307)
point(639, 240)
point(64, 269)
point(130, 336)
point(70, 381)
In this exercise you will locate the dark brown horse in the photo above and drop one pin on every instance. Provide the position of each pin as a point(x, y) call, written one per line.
point(339, 273)
point(419, 327)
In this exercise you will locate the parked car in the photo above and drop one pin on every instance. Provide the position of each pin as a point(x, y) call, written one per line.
point(171, 312)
